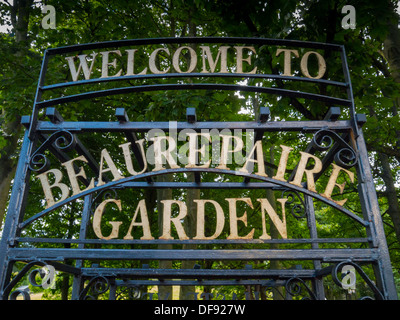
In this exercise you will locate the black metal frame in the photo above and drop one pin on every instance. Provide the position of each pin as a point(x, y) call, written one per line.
point(342, 134)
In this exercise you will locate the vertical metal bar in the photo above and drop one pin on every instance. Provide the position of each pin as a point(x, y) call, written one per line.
point(350, 96)
point(78, 281)
point(113, 290)
point(38, 96)
point(370, 206)
point(15, 210)
point(312, 225)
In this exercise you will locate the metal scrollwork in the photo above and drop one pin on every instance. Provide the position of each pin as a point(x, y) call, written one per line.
point(297, 209)
point(96, 286)
point(345, 155)
point(338, 268)
point(62, 140)
point(23, 293)
point(295, 287)
point(130, 293)
point(104, 195)
point(12, 295)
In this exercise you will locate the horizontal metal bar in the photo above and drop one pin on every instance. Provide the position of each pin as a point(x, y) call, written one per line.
point(193, 75)
point(65, 268)
point(137, 42)
point(193, 86)
point(269, 126)
point(266, 284)
point(176, 241)
point(217, 255)
point(199, 273)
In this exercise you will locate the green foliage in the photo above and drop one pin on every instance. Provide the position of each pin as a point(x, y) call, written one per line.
point(97, 20)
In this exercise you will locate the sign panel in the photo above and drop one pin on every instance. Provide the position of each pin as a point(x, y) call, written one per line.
point(102, 188)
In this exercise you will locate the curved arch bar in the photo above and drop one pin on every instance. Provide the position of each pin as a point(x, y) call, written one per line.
point(184, 170)
point(193, 75)
point(149, 41)
point(193, 86)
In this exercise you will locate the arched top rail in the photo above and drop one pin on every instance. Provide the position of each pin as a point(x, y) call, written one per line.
point(88, 70)
point(81, 70)
point(145, 175)
point(193, 86)
point(182, 40)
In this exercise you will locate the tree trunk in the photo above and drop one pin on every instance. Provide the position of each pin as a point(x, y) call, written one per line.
point(164, 292)
point(20, 12)
point(390, 193)
point(392, 54)
point(187, 292)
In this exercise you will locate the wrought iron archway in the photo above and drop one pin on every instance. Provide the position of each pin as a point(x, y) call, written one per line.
point(343, 143)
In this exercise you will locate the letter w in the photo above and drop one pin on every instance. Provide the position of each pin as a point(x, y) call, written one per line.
point(83, 65)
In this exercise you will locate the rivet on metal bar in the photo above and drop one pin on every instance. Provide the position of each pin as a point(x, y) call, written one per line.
point(26, 121)
point(333, 114)
point(121, 115)
point(361, 119)
point(264, 114)
point(53, 115)
point(191, 115)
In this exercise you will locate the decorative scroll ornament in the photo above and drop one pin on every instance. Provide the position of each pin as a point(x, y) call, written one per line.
point(295, 287)
point(96, 286)
point(60, 140)
point(105, 194)
point(46, 273)
point(297, 209)
point(345, 156)
point(338, 268)
point(130, 293)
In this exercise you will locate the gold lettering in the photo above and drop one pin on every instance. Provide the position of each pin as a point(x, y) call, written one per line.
point(167, 220)
point(332, 183)
point(105, 157)
point(97, 217)
point(240, 59)
point(301, 169)
point(72, 175)
point(193, 150)
point(106, 64)
point(259, 161)
point(83, 65)
point(223, 161)
point(287, 61)
point(166, 154)
point(128, 158)
point(279, 224)
point(193, 60)
point(44, 179)
point(222, 53)
point(141, 207)
point(219, 224)
point(233, 218)
point(280, 173)
point(321, 65)
point(152, 61)
point(131, 63)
